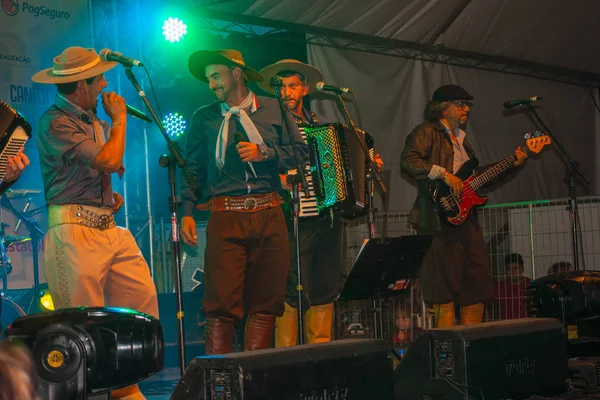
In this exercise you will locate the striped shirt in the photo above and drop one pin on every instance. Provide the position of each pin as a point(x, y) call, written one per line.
point(66, 138)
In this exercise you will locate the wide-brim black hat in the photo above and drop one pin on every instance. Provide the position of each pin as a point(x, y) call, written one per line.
point(200, 59)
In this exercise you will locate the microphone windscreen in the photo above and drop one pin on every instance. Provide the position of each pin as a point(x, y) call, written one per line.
point(104, 54)
point(238, 137)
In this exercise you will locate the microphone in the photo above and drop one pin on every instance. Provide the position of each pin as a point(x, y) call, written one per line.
point(522, 102)
point(109, 55)
point(134, 112)
point(275, 81)
point(240, 138)
point(321, 87)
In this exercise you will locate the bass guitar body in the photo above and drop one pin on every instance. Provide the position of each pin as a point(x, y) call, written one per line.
point(452, 209)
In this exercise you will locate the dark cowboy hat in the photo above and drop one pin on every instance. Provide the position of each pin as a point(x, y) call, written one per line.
point(311, 74)
point(232, 58)
point(72, 65)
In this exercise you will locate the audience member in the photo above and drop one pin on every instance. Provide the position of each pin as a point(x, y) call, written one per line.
point(509, 293)
point(17, 373)
point(561, 266)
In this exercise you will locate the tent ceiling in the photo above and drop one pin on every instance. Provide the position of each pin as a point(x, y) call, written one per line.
point(552, 32)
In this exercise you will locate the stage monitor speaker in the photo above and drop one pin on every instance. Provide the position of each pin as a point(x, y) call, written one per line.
point(584, 372)
point(510, 359)
point(351, 369)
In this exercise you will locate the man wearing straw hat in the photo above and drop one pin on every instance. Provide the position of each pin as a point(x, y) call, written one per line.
point(88, 260)
point(236, 148)
point(320, 236)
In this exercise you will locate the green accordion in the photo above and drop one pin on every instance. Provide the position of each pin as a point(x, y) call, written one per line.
point(339, 168)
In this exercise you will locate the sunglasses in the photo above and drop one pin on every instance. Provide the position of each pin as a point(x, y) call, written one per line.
point(463, 104)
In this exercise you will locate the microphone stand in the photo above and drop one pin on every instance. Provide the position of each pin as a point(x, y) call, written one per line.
point(372, 175)
point(36, 234)
point(5, 268)
point(300, 179)
point(172, 161)
point(571, 170)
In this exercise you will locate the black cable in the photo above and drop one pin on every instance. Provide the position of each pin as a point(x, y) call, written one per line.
point(394, 351)
point(455, 385)
point(153, 92)
point(358, 109)
point(593, 98)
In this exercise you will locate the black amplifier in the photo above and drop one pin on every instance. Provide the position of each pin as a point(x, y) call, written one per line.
point(496, 360)
point(351, 369)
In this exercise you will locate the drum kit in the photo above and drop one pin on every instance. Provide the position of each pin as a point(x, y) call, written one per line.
point(9, 309)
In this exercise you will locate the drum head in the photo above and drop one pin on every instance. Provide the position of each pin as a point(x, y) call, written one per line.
point(8, 313)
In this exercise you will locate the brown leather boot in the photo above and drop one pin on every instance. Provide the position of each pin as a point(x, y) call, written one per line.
point(259, 331)
point(286, 328)
point(319, 320)
point(472, 314)
point(219, 335)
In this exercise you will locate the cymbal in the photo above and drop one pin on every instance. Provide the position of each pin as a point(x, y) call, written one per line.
point(10, 193)
point(10, 239)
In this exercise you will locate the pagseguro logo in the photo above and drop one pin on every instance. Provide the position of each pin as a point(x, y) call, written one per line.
point(43, 11)
point(10, 7)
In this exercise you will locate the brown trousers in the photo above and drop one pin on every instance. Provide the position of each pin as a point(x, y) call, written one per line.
point(95, 268)
point(246, 263)
point(457, 266)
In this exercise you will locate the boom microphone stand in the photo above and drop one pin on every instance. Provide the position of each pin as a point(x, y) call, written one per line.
point(373, 175)
point(571, 170)
point(171, 162)
point(300, 179)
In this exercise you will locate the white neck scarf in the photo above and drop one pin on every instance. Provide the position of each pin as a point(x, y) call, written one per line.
point(248, 103)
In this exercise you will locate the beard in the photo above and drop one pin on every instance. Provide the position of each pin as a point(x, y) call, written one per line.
point(291, 104)
point(220, 94)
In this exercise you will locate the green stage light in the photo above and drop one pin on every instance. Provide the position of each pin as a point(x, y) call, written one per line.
point(174, 29)
point(174, 124)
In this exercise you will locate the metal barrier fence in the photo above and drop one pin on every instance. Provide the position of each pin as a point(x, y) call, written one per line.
point(540, 232)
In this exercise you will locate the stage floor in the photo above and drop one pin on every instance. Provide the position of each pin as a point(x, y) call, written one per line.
point(161, 385)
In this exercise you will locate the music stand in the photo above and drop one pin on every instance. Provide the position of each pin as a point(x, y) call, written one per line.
point(384, 268)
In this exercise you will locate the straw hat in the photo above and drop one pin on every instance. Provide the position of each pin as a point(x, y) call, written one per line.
point(72, 65)
point(233, 58)
point(312, 74)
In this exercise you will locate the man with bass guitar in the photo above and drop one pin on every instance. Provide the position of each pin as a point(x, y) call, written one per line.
point(456, 268)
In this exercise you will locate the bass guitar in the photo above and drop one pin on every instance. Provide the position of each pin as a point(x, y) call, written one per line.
point(455, 210)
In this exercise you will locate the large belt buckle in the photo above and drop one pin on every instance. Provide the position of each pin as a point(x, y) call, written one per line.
point(249, 203)
point(104, 221)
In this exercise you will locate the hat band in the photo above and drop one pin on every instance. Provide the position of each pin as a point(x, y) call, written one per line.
point(238, 61)
point(72, 71)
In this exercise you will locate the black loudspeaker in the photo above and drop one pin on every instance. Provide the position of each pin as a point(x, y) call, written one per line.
point(584, 372)
point(352, 369)
point(496, 360)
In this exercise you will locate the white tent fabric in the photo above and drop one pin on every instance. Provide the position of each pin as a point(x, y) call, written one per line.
point(556, 32)
point(393, 91)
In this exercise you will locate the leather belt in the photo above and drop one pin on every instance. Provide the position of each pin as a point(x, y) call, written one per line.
point(92, 217)
point(249, 203)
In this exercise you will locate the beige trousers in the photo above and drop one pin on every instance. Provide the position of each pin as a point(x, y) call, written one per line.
point(95, 268)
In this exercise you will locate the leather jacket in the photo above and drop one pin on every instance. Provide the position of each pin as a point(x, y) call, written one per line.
point(426, 145)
